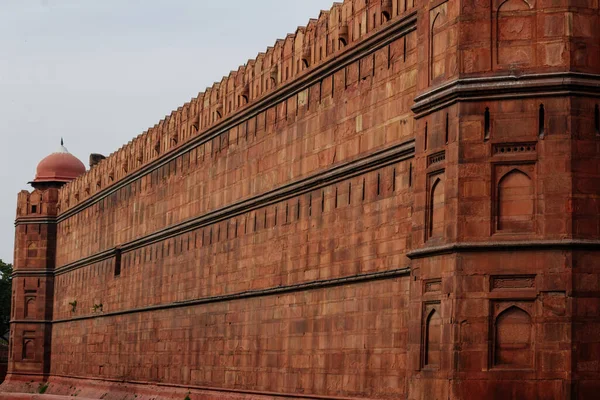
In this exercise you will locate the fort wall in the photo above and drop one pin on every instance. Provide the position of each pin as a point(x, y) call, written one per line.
point(333, 157)
point(398, 201)
point(285, 244)
point(323, 41)
point(314, 342)
point(322, 127)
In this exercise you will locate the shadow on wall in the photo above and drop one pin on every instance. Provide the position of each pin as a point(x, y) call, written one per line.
point(3, 361)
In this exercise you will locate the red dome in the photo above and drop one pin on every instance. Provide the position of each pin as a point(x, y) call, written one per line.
point(61, 166)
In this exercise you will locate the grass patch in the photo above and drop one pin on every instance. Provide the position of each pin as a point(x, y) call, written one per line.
point(43, 387)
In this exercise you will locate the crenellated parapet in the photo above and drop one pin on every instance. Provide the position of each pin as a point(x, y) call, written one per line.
point(345, 24)
point(38, 203)
point(36, 216)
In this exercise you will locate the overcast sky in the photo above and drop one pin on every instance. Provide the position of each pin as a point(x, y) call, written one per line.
point(100, 72)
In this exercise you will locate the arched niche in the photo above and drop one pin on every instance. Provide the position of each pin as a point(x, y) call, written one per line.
point(440, 41)
point(514, 32)
point(28, 349)
point(513, 339)
point(436, 208)
point(436, 65)
point(515, 202)
point(432, 338)
point(32, 250)
point(30, 307)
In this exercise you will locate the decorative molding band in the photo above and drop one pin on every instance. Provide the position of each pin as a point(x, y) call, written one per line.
point(380, 39)
point(29, 322)
point(506, 87)
point(567, 244)
point(270, 395)
point(505, 149)
point(373, 161)
point(103, 255)
point(320, 284)
point(436, 158)
point(32, 273)
point(35, 220)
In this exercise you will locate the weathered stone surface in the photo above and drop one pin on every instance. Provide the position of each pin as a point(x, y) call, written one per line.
point(400, 200)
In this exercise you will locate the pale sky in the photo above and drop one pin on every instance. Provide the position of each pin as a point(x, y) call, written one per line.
point(100, 72)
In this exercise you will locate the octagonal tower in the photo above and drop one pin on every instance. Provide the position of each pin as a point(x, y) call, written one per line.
point(33, 280)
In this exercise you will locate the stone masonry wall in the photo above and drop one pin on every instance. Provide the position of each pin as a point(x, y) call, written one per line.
point(335, 31)
point(279, 245)
point(400, 200)
point(312, 255)
point(340, 341)
point(332, 124)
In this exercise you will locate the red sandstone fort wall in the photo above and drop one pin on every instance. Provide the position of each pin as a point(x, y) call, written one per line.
point(339, 341)
point(322, 42)
point(398, 207)
point(332, 125)
point(278, 245)
point(356, 120)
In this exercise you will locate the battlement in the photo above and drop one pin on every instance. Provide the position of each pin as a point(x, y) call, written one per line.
point(38, 203)
point(321, 40)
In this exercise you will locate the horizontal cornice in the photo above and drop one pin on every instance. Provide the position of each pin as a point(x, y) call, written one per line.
point(335, 174)
point(32, 273)
point(372, 43)
point(31, 322)
point(522, 245)
point(319, 284)
point(506, 87)
point(35, 220)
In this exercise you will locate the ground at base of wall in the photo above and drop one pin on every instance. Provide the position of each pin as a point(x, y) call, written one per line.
point(65, 388)
point(29, 396)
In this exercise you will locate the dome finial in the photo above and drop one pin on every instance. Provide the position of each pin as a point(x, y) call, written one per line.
point(62, 142)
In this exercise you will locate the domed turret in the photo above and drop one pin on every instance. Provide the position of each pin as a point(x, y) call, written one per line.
point(58, 168)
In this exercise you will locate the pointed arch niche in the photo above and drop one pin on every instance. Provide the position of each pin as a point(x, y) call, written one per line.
point(431, 336)
point(513, 335)
point(32, 250)
point(436, 197)
point(514, 203)
point(30, 308)
point(438, 41)
point(28, 349)
point(514, 32)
